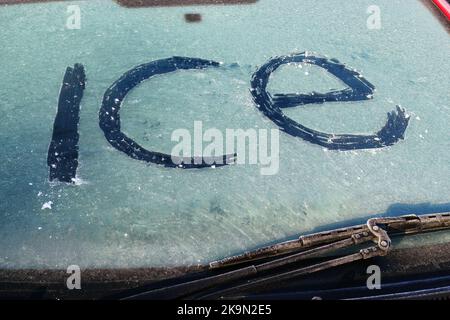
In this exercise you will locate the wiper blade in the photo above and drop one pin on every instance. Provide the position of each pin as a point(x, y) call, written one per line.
point(408, 224)
point(377, 230)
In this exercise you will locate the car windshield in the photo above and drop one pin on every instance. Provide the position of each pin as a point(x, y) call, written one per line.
point(337, 111)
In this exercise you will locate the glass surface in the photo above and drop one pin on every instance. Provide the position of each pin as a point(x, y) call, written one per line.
point(123, 212)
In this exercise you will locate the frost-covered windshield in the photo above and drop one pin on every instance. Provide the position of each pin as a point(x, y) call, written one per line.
point(336, 110)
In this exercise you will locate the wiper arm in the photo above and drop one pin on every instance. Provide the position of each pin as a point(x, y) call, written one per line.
point(408, 224)
point(377, 230)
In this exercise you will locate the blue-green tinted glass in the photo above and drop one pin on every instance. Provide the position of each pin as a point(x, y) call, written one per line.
point(123, 212)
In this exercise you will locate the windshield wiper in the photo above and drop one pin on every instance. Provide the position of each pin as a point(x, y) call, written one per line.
point(376, 230)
